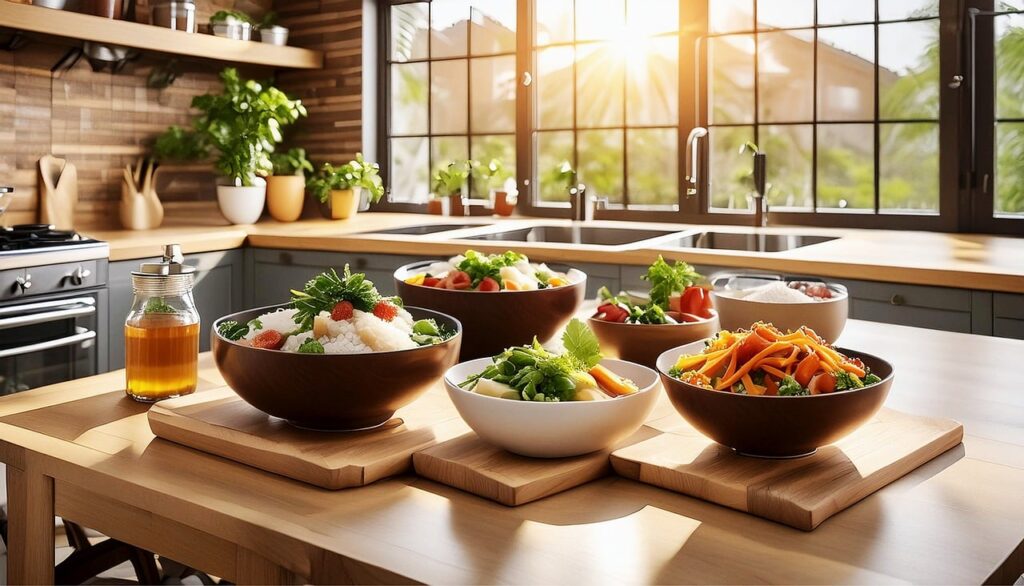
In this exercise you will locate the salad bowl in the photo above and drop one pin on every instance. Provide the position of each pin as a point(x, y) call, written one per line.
point(827, 317)
point(554, 430)
point(775, 426)
point(493, 321)
point(644, 343)
point(333, 392)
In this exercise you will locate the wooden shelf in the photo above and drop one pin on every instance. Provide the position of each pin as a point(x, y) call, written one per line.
point(86, 27)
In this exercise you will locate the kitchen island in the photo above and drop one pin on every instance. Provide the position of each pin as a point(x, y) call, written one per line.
point(83, 451)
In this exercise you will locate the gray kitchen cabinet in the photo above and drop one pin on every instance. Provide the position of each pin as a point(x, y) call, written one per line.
point(271, 274)
point(217, 292)
point(1008, 315)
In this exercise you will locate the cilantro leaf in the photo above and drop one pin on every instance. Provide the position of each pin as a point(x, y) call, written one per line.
point(581, 344)
point(323, 291)
point(667, 279)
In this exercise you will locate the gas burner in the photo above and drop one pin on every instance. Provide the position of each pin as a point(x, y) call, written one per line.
point(34, 237)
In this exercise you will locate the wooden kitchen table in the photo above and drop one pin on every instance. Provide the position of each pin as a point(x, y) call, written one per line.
point(82, 451)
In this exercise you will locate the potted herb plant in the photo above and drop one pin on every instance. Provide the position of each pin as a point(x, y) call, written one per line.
point(241, 125)
point(232, 24)
point(340, 189)
point(448, 189)
point(286, 188)
point(494, 177)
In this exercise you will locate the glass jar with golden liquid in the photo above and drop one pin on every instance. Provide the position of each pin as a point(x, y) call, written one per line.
point(162, 330)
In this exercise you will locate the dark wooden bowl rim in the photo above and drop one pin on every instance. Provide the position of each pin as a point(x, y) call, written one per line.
point(404, 271)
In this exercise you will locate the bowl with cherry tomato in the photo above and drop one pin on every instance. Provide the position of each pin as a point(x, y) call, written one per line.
point(677, 311)
point(787, 302)
point(503, 300)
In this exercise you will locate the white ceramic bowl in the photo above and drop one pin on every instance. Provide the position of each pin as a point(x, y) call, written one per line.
point(827, 318)
point(554, 430)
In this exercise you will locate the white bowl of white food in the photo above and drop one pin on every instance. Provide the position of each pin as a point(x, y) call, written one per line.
point(742, 300)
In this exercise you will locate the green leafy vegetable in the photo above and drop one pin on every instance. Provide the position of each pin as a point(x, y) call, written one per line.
point(790, 388)
point(255, 324)
point(293, 162)
point(479, 266)
point(230, 16)
point(426, 332)
point(846, 381)
point(647, 313)
point(871, 379)
point(581, 344)
point(449, 181)
point(232, 330)
point(311, 346)
point(157, 305)
point(666, 279)
point(327, 289)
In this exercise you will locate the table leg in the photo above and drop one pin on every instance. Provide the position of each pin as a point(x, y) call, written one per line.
point(29, 527)
point(252, 568)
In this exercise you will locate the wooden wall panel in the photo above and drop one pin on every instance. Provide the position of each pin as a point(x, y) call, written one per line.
point(102, 122)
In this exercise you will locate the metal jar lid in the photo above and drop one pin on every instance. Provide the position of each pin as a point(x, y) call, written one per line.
point(170, 276)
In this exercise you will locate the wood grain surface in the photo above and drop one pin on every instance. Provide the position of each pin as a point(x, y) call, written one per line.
point(799, 492)
point(471, 464)
point(221, 423)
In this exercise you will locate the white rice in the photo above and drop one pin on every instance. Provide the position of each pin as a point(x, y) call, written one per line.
point(365, 332)
point(774, 292)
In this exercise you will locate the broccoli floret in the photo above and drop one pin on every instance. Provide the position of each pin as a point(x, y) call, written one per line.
point(739, 389)
point(311, 346)
point(790, 388)
point(871, 379)
point(847, 380)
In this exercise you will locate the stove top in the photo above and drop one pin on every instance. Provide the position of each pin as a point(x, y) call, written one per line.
point(39, 237)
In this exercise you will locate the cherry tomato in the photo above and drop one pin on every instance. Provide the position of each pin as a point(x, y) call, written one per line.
point(612, 312)
point(674, 303)
point(692, 300)
point(431, 282)
point(707, 305)
point(489, 284)
point(459, 280)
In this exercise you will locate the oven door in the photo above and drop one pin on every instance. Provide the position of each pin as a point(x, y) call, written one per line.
point(47, 341)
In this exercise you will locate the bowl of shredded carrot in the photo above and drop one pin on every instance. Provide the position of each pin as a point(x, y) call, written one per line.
point(766, 392)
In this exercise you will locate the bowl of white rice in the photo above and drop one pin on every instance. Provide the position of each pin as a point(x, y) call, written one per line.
point(742, 300)
point(367, 369)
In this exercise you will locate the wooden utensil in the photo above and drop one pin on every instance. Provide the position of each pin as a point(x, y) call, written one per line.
point(58, 192)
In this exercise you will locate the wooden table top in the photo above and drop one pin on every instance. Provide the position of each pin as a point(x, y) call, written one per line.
point(958, 519)
point(992, 263)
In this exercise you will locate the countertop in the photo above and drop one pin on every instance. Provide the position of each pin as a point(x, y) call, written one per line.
point(969, 261)
point(958, 519)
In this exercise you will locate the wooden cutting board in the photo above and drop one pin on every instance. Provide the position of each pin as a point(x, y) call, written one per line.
point(221, 423)
point(800, 492)
point(471, 464)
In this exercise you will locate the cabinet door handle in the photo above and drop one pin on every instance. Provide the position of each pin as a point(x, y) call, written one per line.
point(897, 300)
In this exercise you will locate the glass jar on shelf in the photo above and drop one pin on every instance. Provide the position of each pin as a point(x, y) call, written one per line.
point(162, 330)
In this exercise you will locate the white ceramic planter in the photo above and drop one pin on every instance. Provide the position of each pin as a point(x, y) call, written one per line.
point(242, 205)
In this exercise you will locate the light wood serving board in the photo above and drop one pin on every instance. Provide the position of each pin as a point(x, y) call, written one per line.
point(471, 464)
point(800, 492)
point(221, 423)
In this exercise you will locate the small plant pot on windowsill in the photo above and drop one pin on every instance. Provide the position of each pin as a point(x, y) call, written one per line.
point(285, 196)
point(242, 204)
point(503, 203)
point(341, 204)
point(452, 205)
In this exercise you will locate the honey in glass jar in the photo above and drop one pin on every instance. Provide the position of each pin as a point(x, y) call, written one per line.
point(162, 330)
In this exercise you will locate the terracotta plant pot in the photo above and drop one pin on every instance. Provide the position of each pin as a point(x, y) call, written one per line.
point(285, 196)
point(453, 205)
point(344, 203)
point(434, 207)
point(502, 204)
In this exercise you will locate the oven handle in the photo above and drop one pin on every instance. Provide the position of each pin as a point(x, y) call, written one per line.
point(79, 306)
point(50, 344)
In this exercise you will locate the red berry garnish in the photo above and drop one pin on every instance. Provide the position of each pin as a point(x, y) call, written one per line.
point(385, 311)
point(270, 339)
point(342, 311)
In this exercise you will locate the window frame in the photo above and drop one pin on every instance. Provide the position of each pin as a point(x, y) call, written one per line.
point(962, 205)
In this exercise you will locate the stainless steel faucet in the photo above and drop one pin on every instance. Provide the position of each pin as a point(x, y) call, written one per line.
point(760, 189)
point(584, 207)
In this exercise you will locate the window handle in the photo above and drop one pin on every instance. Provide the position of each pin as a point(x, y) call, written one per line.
point(527, 79)
point(692, 158)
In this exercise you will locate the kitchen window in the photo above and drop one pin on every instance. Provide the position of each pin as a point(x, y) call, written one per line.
point(857, 105)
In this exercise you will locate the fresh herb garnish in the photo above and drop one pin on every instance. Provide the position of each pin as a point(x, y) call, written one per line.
point(667, 279)
point(157, 305)
point(581, 344)
point(326, 289)
point(426, 332)
point(790, 388)
point(311, 346)
point(871, 379)
point(255, 324)
point(232, 330)
point(479, 266)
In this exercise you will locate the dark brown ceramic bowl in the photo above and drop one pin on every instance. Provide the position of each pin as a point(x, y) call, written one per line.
point(775, 427)
point(494, 321)
point(644, 343)
point(335, 392)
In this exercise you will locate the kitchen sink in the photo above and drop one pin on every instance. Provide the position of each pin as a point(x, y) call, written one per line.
point(747, 241)
point(574, 235)
point(426, 229)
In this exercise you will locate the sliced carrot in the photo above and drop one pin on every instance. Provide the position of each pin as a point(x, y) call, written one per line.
point(729, 370)
point(752, 389)
point(806, 369)
point(771, 349)
point(694, 360)
point(611, 382)
point(774, 371)
point(712, 366)
point(771, 388)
